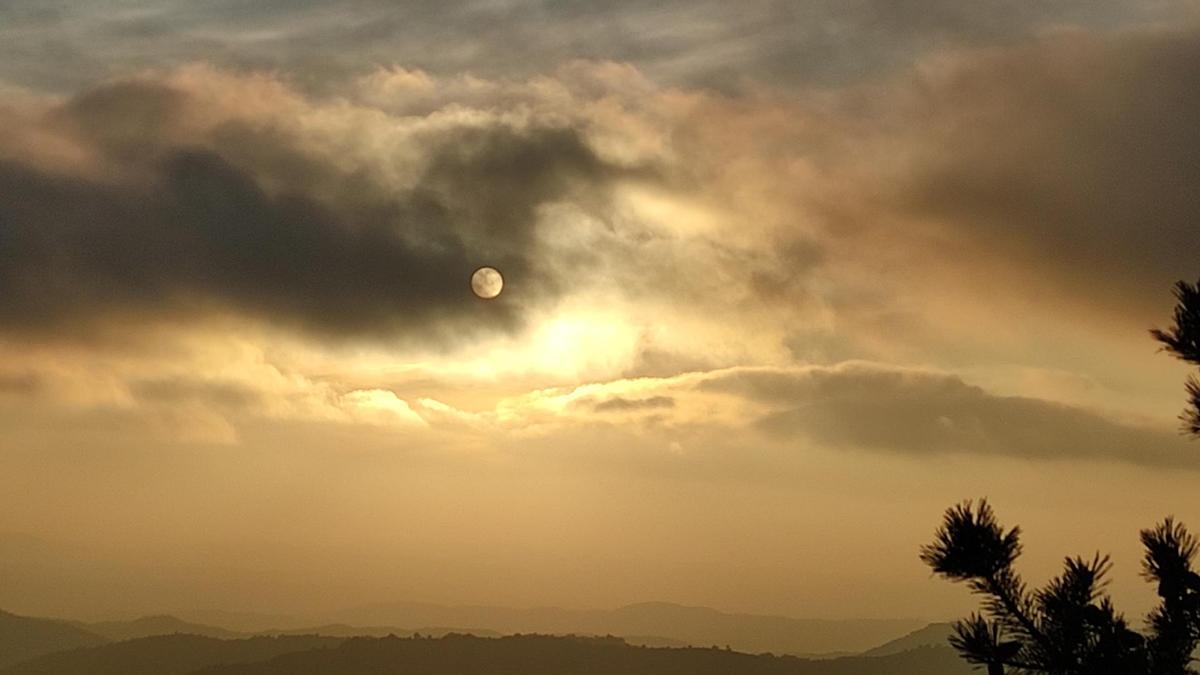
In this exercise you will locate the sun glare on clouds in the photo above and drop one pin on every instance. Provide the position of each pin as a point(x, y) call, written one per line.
point(573, 343)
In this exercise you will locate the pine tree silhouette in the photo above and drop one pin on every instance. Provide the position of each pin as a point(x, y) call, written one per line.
point(1183, 341)
point(1069, 627)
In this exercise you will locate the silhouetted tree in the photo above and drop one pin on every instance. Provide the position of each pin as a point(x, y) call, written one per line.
point(1183, 340)
point(1068, 627)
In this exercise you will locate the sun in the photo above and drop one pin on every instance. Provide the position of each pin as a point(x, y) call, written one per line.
point(487, 282)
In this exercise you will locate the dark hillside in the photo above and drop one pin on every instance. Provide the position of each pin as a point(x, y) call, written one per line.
point(167, 655)
point(544, 655)
point(149, 626)
point(23, 638)
point(933, 635)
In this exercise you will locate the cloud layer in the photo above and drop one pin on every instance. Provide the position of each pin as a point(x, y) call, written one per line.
point(179, 202)
point(705, 43)
point(783, 280)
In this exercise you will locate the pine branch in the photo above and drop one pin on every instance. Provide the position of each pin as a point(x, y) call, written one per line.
point(1183, 338)
point(1014, 608)
point(1191, 414)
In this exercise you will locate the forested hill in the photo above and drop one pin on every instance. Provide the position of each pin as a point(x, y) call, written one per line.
point(23, 637)
point(545, 655)
point(167, 655)
point(79, 653)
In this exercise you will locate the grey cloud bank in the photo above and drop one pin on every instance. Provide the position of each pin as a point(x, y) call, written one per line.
point(923, 413)
point(695, 43)
point(242, 216)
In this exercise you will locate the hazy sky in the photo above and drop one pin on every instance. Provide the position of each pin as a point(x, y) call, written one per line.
point(783, 280)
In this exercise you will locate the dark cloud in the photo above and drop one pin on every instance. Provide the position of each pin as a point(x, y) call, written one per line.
point(926, 413)
point(1078, 158)
point(495, 181)
point(19, 384)
point(177, 390)
point(621, 404)
point(243, 218)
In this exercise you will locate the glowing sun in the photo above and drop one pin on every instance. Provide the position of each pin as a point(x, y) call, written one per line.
point(487, 282)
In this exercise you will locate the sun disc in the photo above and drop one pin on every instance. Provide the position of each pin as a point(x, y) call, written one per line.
point(486, 282)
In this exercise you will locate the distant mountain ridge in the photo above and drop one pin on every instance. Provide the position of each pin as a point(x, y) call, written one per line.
point(163, 624)
point(347, 630)
point(456, 655)
point(167, 655)
point(697, 626)
point(30, 645)
point(23, 638)
point(933, 635)
point(547, 655)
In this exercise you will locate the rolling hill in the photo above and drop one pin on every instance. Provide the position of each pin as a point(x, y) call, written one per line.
point(346, 630)
point(166, 645)
point(149, 626)
point(933, 635)
point(23, 638)
point(171, 646)
point(696, 626)
point(168, 655)
point(546, 655)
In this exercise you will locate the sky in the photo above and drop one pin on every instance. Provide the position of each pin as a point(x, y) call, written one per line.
point(782, 282)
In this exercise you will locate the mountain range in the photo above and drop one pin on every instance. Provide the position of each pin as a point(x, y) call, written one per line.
point(167, 645)
point(696, 626)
